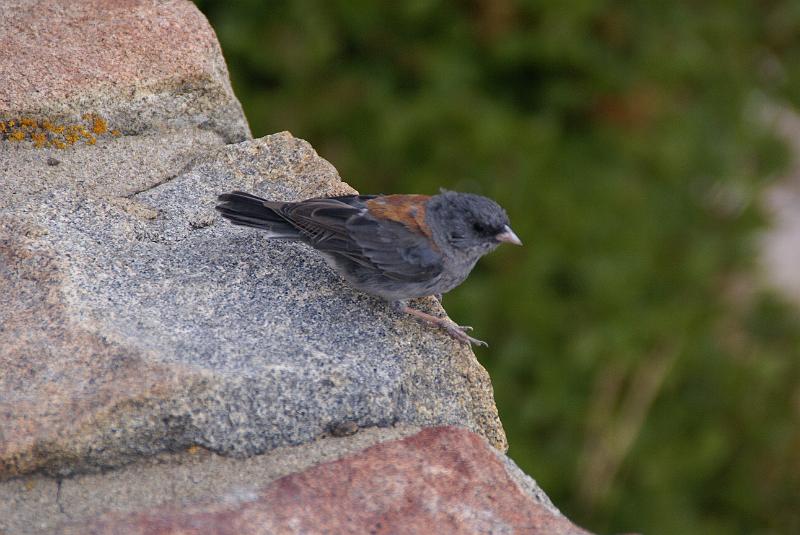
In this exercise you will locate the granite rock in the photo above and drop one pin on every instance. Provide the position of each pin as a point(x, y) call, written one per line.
point(141, 65)
point(132, 331)
point(445, 479)
point(114, 169)
point(40, 504)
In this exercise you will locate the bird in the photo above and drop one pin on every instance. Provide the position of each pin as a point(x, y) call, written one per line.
point(397, 247)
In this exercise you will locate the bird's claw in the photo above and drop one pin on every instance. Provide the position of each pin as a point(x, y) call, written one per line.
point(459, 332)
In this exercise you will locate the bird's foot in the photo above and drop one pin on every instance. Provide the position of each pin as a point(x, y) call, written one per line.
point(458, 332)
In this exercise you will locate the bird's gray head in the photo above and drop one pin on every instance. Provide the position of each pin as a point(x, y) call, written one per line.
point(471, 224)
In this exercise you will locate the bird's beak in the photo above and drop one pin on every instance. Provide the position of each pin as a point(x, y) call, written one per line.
point(508, 236)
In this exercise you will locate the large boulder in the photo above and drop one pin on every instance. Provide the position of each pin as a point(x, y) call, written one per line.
point(134, 328)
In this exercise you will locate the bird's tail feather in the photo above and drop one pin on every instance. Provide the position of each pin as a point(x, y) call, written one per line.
point(250, 211)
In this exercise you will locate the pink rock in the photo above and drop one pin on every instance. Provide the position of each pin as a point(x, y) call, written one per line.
point(139, 64)
point(441, 480)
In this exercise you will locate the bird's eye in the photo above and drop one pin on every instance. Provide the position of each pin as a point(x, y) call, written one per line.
point(479, 228)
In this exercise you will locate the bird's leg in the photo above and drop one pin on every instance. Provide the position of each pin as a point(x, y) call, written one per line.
point(438, 298)
point(458, 332)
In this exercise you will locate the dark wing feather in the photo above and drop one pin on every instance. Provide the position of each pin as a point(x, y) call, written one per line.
point(322, 222)
point(400, 253)
point(343, 226)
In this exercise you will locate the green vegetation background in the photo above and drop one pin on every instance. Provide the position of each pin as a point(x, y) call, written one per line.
point(642, 378)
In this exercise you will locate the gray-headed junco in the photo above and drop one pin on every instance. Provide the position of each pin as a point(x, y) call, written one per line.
point(395, 246)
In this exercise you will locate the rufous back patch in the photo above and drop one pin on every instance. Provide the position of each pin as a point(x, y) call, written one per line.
point(409, 210)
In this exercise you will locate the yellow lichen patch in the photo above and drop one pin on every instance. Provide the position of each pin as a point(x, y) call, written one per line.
point(50, 127)
point(39, 139)
point(47, 133)
point(99, 126)
point(74, 133)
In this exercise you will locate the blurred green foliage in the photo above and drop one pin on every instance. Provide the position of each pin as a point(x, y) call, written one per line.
point(642, 377)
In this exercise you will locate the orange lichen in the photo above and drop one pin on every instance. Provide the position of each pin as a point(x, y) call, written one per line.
point(46, 133)
point(99, 126)
point(39, 139)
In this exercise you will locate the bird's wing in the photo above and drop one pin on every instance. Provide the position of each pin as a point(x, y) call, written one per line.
point(387, 233)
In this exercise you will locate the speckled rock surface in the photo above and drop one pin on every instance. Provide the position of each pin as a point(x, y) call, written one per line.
point(108, 98)
point(38, 504)
point(445, 480)
point(131, 331)
point(143, 65)
point(114, 169)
